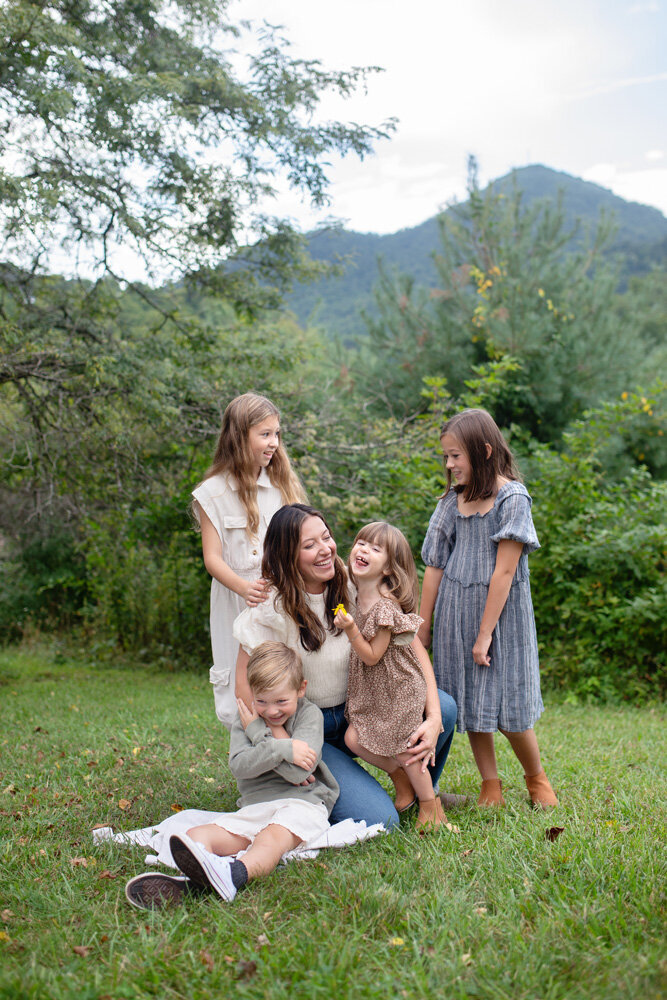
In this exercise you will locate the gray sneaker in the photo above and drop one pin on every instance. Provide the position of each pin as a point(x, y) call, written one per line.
point(155, 891)
point(201, 866)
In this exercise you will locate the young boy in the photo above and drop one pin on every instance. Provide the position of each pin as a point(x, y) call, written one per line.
point(287, 793)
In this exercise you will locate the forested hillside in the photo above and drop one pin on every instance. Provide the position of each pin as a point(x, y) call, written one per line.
point(112, 390)
point(336, 303)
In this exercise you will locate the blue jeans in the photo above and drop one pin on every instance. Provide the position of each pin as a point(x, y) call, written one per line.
point(361, 796)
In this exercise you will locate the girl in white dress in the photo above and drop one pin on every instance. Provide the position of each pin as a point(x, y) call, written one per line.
point(249, 480)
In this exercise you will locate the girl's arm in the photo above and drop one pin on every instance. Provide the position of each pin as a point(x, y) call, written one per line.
point(369, 652)
point(430, 586)
point(423, 740)
point(252, 591)
point(507, 559)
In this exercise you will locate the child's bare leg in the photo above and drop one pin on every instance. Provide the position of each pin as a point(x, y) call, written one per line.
point(218, 841)
point(402, 784)
point(484, 752)
point(268, 848)
point(526, 749)
point(420, 780)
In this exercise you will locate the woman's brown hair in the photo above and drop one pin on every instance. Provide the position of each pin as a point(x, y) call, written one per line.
point(474, 429)
point(280, 567)
point(401, 576)
point(233, 455)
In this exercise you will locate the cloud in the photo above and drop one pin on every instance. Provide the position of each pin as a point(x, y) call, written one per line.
point(615, 85)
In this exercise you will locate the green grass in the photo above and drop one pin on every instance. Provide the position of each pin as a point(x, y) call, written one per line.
point(497, 912)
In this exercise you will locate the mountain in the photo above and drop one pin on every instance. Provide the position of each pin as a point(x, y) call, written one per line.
point(336, 303)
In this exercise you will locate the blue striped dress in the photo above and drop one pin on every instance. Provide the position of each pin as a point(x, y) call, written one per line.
point(506, 694)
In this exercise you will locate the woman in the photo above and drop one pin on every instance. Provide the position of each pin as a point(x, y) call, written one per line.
point(309, 581)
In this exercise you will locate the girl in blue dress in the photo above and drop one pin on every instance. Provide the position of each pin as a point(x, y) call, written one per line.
point(477, 590)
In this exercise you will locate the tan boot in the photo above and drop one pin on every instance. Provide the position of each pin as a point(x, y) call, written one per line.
point(491, 793)
point(540, 791)
point(432, 816)
point(405, 793)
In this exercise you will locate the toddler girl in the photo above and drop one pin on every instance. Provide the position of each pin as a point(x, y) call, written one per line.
point(476, 579)
point(250, 479)
point(387, 688)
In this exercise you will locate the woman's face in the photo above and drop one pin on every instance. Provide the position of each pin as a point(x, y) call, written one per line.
point(317, 551)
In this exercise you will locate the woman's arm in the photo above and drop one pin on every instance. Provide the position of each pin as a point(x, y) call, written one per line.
point(252, 591)
point(241, 686)
point(507, 559)
point(430, 586)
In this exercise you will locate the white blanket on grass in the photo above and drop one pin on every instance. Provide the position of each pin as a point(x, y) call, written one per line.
point(157, 837)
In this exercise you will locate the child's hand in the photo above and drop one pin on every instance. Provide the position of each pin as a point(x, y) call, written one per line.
point(342, 619)
point(303, 755)
point(256, 593)
point(247, 715)
point(480, 651)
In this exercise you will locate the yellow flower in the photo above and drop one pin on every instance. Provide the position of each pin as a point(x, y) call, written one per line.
point(540, 292)
point(624, 395)
point(339, 607)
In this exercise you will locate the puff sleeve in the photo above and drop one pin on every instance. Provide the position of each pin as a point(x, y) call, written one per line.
point(441, 533)
point(515, 521)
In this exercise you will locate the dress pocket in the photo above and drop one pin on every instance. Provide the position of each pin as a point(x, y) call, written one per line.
point(223, 694)
point(237, 547)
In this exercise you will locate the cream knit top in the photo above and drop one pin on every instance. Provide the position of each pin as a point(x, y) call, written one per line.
point(325, 670)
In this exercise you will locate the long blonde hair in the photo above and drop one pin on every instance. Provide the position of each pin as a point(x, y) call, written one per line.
point(233, 455)
point(401, 576)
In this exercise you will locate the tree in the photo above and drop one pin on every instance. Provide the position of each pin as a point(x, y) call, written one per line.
point(514, 282)
point(159, 129)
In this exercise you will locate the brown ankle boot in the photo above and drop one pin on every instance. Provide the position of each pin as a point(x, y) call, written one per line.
point(540, 791)
point(491, 793)
point(405, 793)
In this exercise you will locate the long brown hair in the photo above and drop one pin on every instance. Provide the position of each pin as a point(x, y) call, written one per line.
point(474, 429)
point(401, 576)
point(233, 455)
point(280, 567)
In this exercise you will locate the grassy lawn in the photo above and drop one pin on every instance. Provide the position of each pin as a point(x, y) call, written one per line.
point(499, 911)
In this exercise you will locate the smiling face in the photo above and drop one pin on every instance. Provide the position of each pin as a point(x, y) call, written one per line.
point(368, 560)
point(278, 704)
point(456, 459)
point(263, 439)
point(317, 551)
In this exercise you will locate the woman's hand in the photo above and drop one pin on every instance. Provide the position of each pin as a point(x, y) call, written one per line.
point(421, 745)
point(480, 651)
point(246, 715)
point(256, 592)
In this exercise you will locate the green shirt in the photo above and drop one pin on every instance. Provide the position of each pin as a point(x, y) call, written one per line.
point(263, 766)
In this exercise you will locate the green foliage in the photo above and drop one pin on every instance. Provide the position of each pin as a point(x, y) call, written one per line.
point(599, 582)
point(511, 284)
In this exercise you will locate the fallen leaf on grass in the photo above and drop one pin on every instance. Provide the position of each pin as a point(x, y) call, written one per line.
point(265, 916)
point(4, 936)
point(206, 959)
point(553, 832)
point(452, 828)
point(262, 940)
point(9, 790)
point(246, 970)
point(100, 826)
point(396, 942)
point(464, 854)
point(228, 959)
point(467, 958)
point(124, 803)
point(480, 910)
point(79, 862)
point(106, 874)
point(81, 949)
point(176, 807)
point(6, 916)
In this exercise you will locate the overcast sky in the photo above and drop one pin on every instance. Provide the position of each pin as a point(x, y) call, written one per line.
point(578, 85)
